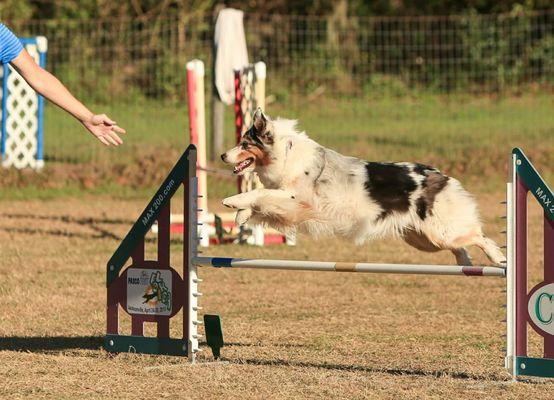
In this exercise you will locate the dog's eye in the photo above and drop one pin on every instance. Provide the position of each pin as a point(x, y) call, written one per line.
point(244, 145)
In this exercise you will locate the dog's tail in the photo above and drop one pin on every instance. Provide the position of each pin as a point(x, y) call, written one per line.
point(282, 214)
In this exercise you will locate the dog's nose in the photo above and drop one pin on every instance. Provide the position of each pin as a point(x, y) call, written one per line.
point(224, 156)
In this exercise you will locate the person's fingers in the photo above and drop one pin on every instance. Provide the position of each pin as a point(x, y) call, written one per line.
point(118, 129)
point(115, 137)
point(103, 140)
point(110, 139)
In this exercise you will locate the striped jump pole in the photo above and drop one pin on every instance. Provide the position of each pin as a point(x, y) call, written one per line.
point(292, 265)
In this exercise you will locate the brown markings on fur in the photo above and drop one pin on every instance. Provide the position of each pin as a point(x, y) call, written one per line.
point(424, 242)
point(243, 155)
point(280, 221)
point(267, 137)
point(434, 183)
point(262, 158)
point(420, 241)
point(467, 239)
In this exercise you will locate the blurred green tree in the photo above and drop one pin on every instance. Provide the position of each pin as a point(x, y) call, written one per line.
point(147, 9)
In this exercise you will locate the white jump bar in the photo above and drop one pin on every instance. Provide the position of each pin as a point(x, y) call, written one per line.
point(348, 267)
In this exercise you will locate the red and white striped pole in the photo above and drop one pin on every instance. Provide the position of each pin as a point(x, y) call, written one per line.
point(197, 126)
point(238, 118)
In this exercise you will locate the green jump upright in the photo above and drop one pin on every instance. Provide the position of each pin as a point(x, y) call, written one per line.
point(533, 307)
point(150, 290)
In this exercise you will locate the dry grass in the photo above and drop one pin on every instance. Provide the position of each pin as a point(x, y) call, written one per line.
point(289, 334)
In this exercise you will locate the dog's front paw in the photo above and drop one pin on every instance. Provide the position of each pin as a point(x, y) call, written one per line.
point(243, 216)
point(228, 202)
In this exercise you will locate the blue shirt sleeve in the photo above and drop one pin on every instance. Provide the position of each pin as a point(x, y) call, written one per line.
point(10, 46)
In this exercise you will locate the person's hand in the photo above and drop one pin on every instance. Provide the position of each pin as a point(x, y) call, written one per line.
point(104, 129)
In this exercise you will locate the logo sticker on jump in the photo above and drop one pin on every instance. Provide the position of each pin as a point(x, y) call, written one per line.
point(541, 308)
point(149, 291)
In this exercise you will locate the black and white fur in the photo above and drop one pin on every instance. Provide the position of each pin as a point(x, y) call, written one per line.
point(321, 192)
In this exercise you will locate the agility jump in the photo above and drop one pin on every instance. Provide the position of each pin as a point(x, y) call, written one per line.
point(152, 291)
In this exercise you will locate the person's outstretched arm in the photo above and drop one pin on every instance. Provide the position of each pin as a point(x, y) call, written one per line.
point(102, 127)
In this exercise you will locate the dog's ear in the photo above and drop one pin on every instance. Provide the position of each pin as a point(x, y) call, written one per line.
point(260, 126)
point(319, 163)
point(259, 121)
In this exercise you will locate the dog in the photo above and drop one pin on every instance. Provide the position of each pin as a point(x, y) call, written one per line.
point(318, 191)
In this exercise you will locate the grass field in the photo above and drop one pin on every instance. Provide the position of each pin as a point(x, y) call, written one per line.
point(289, 334)
point(467, 137)
point(386, 127)
point(462, 135)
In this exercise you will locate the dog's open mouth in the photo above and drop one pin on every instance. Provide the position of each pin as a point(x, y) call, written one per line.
point(243, 165)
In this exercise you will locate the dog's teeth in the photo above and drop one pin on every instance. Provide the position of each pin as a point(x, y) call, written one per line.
point(242, 165)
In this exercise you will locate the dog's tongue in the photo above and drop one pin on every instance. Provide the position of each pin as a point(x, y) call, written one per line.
point(242, 165)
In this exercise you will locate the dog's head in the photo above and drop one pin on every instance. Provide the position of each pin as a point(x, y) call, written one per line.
point(254, 147)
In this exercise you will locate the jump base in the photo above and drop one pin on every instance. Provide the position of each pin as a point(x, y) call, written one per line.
point(539, 367)
point(145, 345)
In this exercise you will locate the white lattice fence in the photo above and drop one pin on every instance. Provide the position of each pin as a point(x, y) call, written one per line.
point(22, 113)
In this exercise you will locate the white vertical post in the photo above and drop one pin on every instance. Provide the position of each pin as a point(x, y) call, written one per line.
point(261, 73)
point(201, 153)
point(192, 313)
point(510, 268)
point(198, 138)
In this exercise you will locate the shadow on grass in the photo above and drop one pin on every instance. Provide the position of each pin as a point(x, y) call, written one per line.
point(45, 344)
point(374, 370)
point(61, 232)
point(91, 223)
point(69, 219)
point(40, 344)
point(260, 344)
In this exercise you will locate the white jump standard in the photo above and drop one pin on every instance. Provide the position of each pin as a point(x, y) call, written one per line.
point(153, 291)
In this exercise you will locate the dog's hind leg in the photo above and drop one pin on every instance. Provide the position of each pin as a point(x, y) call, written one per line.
point(477, 238)
point(462, 256)
point(491, 249)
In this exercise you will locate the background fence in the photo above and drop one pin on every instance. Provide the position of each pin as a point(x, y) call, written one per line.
point(456, 88)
